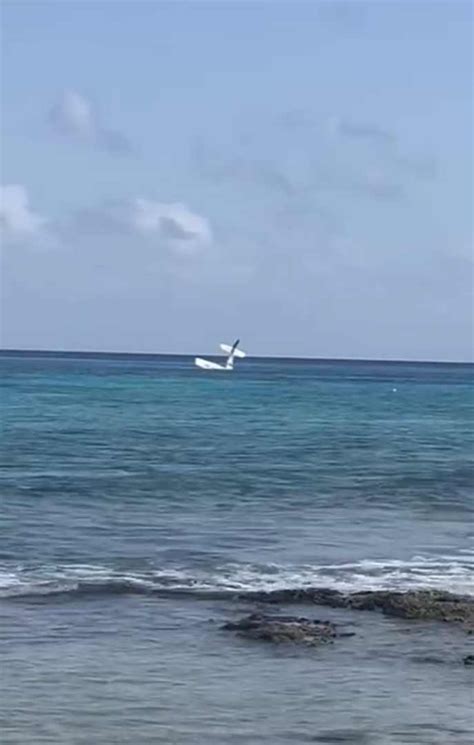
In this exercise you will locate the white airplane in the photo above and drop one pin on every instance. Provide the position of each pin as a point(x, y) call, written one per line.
point(231, 352)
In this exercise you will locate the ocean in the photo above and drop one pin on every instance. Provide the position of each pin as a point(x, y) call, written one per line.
point(141, 499)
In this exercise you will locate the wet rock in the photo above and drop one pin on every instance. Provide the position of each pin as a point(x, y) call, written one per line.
point(428, 605)
point(280, 629)
point(469, 660)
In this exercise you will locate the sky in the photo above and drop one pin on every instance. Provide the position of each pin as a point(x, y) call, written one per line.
point(297, 174)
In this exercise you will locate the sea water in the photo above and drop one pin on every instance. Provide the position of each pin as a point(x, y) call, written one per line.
point(140, 496)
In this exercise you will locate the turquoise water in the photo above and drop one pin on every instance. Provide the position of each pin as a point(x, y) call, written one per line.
point(139, 494)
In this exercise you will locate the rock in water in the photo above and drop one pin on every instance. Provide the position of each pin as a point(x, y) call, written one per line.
point(469, 660)
point(427, 605)
point(284, 629)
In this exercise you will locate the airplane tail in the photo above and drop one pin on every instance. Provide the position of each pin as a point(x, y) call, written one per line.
point(230, 359)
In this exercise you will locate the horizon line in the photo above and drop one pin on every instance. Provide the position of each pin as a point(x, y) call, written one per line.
point(91, 353)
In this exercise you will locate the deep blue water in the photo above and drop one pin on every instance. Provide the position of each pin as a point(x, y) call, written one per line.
point(132, 486)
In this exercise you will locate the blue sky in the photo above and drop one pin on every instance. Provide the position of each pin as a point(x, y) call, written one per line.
point(298, 174)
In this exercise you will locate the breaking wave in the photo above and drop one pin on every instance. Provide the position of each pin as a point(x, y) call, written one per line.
point(450, 573)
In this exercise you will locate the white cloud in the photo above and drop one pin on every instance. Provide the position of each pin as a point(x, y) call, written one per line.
point(75, 116)
point(16, 217)
point(171, 226)
point(182, 229)
point(160, 225)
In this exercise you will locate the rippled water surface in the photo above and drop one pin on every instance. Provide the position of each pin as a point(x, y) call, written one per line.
point(139, 495)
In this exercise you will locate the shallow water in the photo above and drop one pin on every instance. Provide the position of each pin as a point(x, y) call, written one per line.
point(139, 495)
